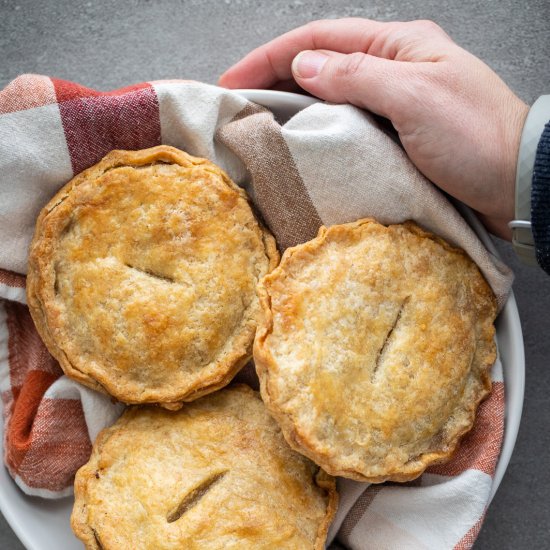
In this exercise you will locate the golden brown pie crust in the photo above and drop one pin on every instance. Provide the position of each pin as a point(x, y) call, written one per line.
point(375, 348)
point(142, 276)
point(216, 474)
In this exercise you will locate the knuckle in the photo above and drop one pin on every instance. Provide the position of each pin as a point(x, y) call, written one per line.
point(316, 26)
point(351, 66)
point(316, 30)
point(428, 24)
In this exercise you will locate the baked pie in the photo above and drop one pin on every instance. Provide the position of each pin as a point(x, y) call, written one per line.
point(375, 348)
point(142, 276)
point(217, 474)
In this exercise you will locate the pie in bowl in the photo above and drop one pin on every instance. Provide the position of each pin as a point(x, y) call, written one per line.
point(375, 348)
point(216, 474)
point(142, 276)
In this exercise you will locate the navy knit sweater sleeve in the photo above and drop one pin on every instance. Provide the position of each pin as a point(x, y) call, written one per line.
point(540, 201)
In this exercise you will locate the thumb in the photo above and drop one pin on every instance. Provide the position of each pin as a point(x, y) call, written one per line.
point(373, 83)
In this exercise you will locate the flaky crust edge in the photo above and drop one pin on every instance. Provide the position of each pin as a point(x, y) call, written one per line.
point(86, 474)
point(39, 285)
point(265, 363)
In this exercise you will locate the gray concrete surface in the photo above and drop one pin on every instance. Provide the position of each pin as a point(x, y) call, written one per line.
point(110, 44)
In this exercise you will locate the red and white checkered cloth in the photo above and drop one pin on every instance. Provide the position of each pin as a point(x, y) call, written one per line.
point(329, 164)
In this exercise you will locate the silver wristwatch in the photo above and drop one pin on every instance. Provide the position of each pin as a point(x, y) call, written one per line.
point(522, 236)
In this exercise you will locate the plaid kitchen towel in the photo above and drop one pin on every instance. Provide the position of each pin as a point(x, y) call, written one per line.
point(328, 164)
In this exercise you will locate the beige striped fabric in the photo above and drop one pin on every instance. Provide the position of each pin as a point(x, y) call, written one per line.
point(333, 164)
point(279, 190)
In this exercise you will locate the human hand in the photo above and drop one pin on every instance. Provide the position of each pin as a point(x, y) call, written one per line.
point(458, 121)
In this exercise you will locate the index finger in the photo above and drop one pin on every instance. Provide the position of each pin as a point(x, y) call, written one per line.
point(271, 63)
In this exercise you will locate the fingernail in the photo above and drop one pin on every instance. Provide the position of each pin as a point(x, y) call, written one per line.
point(308, 64)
